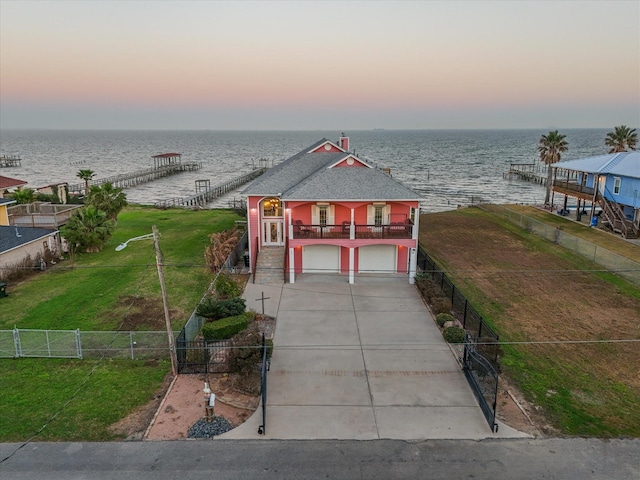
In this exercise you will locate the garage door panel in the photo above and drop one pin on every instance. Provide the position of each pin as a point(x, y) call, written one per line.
point(320, 259)
point(377, 259)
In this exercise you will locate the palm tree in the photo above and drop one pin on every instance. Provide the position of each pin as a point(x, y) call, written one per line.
point(108, 199)
point(87, 230)
point(550, 146)
point(622, 139)
point(24, 195)
point(86, 175)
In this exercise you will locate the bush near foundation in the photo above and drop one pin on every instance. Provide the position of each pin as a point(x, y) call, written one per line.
point(246, 353)
point(428, 288)
point(443, 318)
point(441, 305)
point(214, 309)
point(453, 334)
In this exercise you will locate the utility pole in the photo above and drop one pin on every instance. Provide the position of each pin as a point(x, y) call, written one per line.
point(159, 264)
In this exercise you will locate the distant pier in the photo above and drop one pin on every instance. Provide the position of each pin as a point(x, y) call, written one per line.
point(164, 165)
point(10, 161)
point(206, 194)
point(529, 172)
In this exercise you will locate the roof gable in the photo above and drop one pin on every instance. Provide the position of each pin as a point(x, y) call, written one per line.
point(350, 161)
point(310, 174)
point(327, 146)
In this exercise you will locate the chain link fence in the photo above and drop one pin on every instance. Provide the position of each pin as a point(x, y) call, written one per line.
point(22, 343)
point(614, 262)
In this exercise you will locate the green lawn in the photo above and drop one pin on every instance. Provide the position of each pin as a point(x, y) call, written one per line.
point(95, 292)
point(91, 293)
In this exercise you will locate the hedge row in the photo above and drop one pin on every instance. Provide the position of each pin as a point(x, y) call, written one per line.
point(226, 327)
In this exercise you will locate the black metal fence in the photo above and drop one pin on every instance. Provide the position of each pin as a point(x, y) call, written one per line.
point(483, 378)
point(480, 358)
point(464, 312)
point(200, 356)
point(262, 429)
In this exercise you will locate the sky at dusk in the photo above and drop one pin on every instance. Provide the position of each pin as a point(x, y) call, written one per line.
point(269, 65)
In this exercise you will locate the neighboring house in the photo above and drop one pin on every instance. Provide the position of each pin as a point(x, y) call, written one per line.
point(4, 215)
point(18, 244)
point(331, 212)
point(58, 189)
point(7, 183)
point(611, 181)
point(25, 244)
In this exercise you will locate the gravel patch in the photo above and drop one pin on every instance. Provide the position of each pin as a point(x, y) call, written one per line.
point(204, 429)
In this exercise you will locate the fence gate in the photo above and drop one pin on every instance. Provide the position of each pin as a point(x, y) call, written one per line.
point(483, 378)
point(200, 356)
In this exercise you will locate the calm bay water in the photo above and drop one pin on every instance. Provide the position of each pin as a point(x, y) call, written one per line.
point(448, 167)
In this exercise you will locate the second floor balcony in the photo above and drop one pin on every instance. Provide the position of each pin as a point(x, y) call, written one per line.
point(347, 230)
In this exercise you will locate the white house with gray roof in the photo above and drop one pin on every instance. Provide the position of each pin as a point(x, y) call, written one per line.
point(327, 211)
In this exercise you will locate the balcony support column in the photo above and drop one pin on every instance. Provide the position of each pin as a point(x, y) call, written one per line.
point(292, 266)
point(352, 227)
point(351, 262)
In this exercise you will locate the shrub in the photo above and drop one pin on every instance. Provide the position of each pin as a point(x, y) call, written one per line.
point(428, 288)
point(443, 318)
point(440, 305)
point(453, 334)
point(226, 287)
point(217, 309)
point(225, 328)
point(246, 353)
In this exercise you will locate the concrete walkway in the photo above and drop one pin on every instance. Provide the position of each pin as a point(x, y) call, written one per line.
point(363, 361)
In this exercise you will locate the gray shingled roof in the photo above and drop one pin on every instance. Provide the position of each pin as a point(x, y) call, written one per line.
point(9, 239)
point(350, 184)
point(6, 201)
point(306, 176)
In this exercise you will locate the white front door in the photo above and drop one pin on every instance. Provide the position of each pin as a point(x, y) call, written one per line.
point(272, 232)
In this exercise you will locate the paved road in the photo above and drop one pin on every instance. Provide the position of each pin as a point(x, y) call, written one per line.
point(561, 459)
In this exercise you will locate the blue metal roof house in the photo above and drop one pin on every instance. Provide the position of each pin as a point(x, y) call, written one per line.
point(611, 181)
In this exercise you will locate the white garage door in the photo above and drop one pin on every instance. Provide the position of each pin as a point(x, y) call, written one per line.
point(377, 259)
point(320, 259)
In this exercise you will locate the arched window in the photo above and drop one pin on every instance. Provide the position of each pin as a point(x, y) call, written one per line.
point(272, 207)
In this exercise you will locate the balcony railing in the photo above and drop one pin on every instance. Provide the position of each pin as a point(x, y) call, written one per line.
point(319, 232)
point(573, 187)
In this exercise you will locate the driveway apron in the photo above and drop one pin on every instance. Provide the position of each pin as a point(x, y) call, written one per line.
point(361, 361)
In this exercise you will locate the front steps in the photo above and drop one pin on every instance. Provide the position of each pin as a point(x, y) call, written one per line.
point(270, 266)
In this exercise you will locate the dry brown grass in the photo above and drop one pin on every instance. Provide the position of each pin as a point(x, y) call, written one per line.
point(533, 290)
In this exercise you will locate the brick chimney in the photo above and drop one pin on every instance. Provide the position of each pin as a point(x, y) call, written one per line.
point(344, 142)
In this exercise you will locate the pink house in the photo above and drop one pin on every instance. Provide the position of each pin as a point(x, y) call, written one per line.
point(333, 213)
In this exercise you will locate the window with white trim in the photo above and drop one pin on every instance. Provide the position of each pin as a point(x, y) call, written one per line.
point(616, 185)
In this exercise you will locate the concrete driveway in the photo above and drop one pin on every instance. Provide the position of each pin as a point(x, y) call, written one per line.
point(363, 361)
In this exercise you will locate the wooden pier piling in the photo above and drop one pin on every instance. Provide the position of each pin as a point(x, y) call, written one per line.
point(529, 172)
point(10, 161)
point(210, 194)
